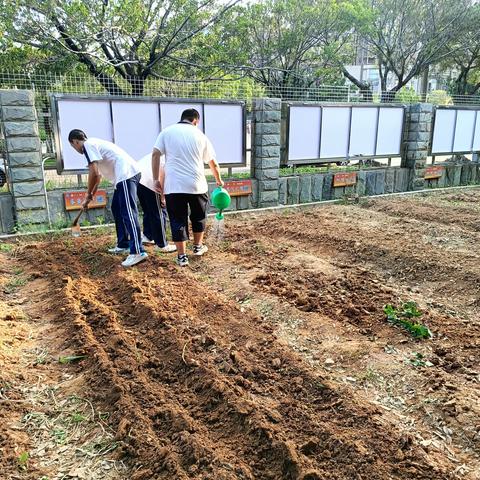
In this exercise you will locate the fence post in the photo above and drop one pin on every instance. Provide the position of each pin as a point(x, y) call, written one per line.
point(24, 158)
point(266, 149)
point(417, 130)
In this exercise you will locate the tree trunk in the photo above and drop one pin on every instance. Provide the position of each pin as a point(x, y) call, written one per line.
point(109, 84)
point(388, 96)
point(424, 83)
point(138, 85)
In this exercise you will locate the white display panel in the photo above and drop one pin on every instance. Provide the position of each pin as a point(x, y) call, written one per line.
point(136, 126)
point(476, 138)
point(93, 117)
point(464, 131)
point(363, 131)
point(443, 131)
point(390, 127)
point(304, 133)
point(335, 132)
point(170, 113)
point(224, 128)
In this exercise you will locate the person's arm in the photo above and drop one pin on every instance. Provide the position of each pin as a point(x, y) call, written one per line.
point(157, 172)
point(94, 178)
point(216, 172)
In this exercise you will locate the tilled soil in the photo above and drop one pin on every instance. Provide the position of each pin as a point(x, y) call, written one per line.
point(270, 358)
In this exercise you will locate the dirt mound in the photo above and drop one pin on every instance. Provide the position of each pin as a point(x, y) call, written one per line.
point(201, 388)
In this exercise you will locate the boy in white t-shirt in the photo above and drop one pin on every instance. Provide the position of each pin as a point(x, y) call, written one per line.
point(153, 206)
point(107, 159)
point(182, 179)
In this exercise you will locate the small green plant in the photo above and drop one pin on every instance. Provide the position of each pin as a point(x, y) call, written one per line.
point(70, 359)
point(407, 316)
point(22, 461)
point(77, 418)
point(59, 435)
point(418, 360)
point(14, 283)
point(6, 247)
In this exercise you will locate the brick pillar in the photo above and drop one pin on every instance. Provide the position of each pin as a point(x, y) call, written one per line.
point(24, 158)
point(417, 131)
point(266, 149)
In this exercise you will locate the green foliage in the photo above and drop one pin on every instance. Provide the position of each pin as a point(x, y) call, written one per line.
point(439, 97)
point(407, 95)
point(6, 247)
point(22, 461)
point(70, 359)
point(406, 316)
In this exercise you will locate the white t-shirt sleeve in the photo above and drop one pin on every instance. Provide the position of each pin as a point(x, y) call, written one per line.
point(208, 152)
point(160, 144)
point(92, 153)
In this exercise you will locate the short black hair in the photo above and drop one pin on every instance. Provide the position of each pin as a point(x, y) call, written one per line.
point(190, 114)
point(76, 134)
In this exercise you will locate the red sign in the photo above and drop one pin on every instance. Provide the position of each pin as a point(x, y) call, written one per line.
point(344, 179)
point(237, 188)
point(433, 172)
point(74, 200)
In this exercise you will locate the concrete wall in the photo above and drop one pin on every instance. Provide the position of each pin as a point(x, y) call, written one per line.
point(7, 222)
point(318, 187)
point(24, 159)
point(19, 122)
point(60, 217)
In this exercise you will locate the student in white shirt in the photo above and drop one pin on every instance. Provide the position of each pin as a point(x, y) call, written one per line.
point(153, 206)
point(182, 179)
point(107, 159)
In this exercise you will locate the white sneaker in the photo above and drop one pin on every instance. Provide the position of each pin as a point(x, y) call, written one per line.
point(199, 250)
point(182, 260)
point(118, 250)
point(167, 249)
point(134, 258)
point(147, 240)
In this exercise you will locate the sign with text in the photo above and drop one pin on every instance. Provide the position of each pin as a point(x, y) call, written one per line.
point(74, 200)
point(344, 179)
point(237, 188)
point(433, 172)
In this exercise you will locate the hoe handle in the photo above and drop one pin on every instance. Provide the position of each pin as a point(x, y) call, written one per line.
point(77, 218)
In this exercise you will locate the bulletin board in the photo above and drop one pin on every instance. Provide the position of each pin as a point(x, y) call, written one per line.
point(326, 132)
point(134, 124)
point(455, 130)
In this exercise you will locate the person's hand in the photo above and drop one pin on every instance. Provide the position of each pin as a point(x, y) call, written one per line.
point(158, 186)
point(163, 203)
point(220, 183)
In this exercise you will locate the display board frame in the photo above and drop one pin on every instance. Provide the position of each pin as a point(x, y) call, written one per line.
point(56, 127)
point(456, 109)
point(351, 106)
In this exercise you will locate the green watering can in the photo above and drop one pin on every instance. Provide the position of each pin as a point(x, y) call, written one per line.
point(220, 200)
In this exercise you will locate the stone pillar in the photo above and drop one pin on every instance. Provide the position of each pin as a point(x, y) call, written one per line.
point(266, 150)
point(24, 158)
point(417, 138)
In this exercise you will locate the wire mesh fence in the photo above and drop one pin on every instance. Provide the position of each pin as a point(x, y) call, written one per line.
point(238, 89)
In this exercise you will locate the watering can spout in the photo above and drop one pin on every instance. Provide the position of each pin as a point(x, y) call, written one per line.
point(220, 200)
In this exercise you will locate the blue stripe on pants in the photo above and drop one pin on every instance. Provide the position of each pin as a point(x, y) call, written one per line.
point(154, 216)
point(125, 213)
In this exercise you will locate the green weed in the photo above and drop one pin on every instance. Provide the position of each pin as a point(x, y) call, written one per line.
point(407, 316)
point(70, 359)
point(22, 461)
point(77, 418)
point(418, 360)
point(6, 247)
point(14, 283)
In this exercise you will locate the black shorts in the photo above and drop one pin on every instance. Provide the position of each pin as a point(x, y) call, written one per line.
point(177, 208)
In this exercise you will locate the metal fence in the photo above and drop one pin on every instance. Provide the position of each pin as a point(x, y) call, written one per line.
point(238, 89)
